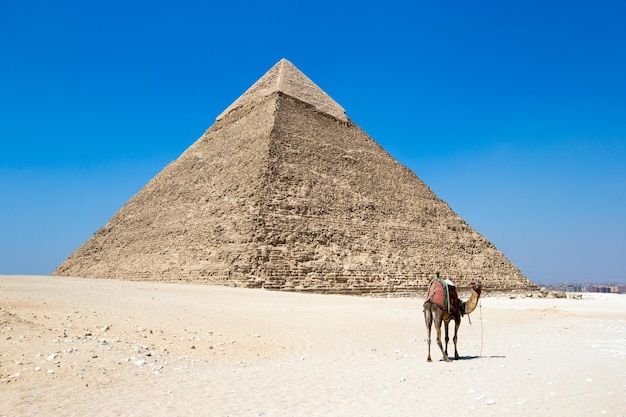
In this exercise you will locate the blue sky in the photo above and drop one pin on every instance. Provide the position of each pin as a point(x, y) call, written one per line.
point(514, 114)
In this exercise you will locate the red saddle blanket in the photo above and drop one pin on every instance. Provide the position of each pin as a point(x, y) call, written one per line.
point(444, 296)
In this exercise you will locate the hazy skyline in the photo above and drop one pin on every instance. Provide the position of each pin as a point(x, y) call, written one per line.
point(512, 114)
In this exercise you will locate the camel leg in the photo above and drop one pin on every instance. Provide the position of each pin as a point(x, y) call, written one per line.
point(438, 320)
point(428, 318)
point(456, 329)
point(447, 339)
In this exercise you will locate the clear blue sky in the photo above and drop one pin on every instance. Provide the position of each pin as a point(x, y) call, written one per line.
point(512, 112)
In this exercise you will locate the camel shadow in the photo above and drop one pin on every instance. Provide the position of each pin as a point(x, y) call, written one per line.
point(467, 358)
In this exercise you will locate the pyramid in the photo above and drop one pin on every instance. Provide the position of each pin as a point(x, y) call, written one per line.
point(285, 192)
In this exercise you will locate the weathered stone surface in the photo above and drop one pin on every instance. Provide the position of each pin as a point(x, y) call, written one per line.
point(281, 194)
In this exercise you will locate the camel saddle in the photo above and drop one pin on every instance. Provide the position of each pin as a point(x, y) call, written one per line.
point(445, 296)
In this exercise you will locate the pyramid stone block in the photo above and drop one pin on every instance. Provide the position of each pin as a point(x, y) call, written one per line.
point(285, 192)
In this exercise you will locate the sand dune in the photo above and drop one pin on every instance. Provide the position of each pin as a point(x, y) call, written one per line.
point(83, 347)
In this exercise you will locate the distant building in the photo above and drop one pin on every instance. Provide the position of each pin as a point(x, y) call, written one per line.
point(598, 288)
point(604, 289)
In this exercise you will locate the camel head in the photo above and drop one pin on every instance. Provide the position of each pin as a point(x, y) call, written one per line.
point(469, 305)
point(477, 287)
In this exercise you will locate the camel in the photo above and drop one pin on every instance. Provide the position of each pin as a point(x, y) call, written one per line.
point(438, 314)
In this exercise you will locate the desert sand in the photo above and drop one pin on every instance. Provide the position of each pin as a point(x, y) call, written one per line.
point(85, 347)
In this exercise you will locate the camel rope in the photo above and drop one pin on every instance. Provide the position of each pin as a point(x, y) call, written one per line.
point(480, 306)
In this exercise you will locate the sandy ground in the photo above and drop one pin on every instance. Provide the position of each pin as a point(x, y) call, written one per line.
point(82, 347)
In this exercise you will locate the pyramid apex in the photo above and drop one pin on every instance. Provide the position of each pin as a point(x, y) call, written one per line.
point(286, 78)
